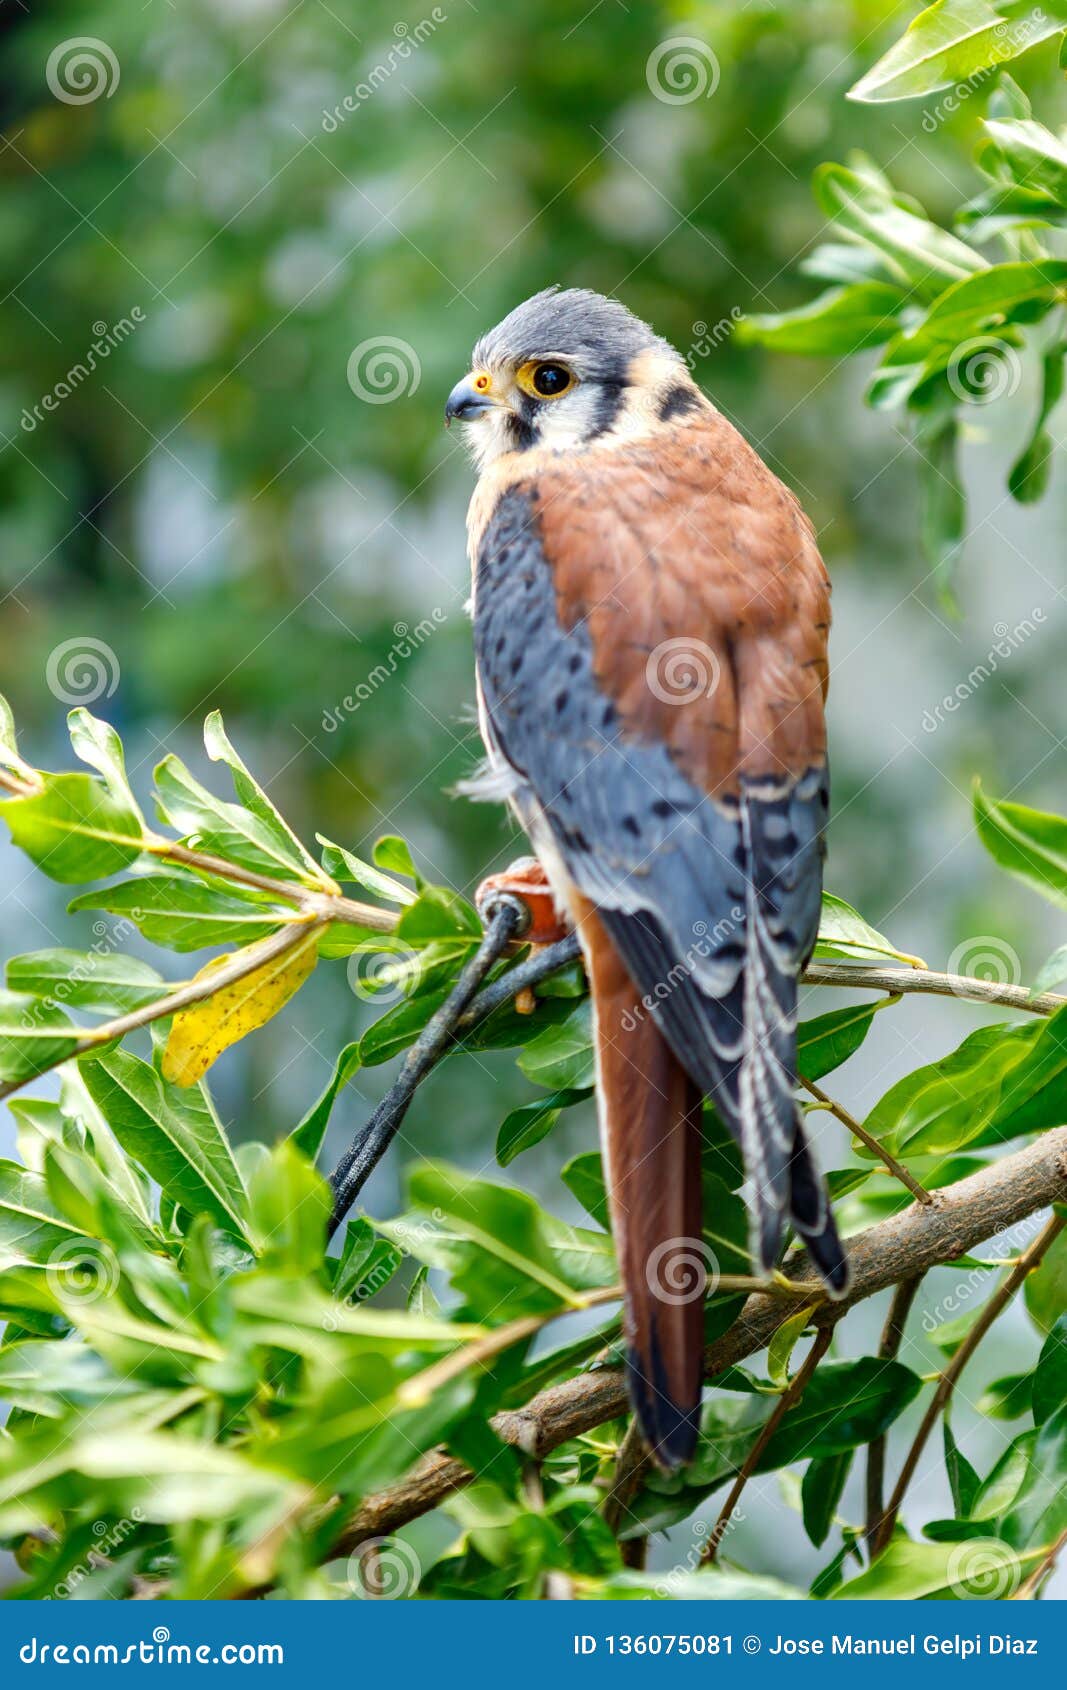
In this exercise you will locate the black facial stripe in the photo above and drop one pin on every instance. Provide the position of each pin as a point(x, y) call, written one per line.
point(609, 398)
point(522, 424)
point(677, 402)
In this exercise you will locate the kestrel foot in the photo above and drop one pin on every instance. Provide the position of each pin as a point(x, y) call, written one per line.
point(526, 880)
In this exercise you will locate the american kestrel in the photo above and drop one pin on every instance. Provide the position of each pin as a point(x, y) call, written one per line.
point(650, 625)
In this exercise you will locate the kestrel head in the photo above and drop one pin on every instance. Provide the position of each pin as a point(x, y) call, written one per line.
point(567, 369)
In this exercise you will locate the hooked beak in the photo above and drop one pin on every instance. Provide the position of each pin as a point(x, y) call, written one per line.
point(469, 398)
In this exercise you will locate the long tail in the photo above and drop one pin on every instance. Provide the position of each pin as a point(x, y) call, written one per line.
point(651, 1138)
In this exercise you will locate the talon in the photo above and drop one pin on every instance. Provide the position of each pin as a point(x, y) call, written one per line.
point(527, 880)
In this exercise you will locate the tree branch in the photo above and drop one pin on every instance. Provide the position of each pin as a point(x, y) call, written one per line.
point(905, 1245)
point(786, 1401)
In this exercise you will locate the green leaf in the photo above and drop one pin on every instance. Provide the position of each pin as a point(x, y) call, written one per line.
point(1045, 1290)
point(31, 1231)
point(97, 744)
point(838, 323)
point(289, 1207)
point(34, 1036)
point(781, 1347)
point(400, 1026)
point(309, 1135)
point(1030, 472)
point(562, 1055)
point(438, 913)
point(951, 42)
point(528, 1125)
point(962, 1478)
point(970, 308)
point(1036, 158)
point(1000, 1082)
point(505, 1254)
point(107, 981)
point(820, 1493)
point(1053, 971)
point(394, 854)
point(944, 506)
point(48, 1378)
point(1031, 844)
point(1038, 1513)
point(73, 828)
point(367, 1264)
point(844, 933)
point(174, 1135)
point(249, 793)
point(712, 1584)
point(1007, 1398)
point(826, 1041)
point(584, 1178)
point(920, 254)
point(846, 1403)
point(9, 751)
point(226, 830)
point(342, 865)
point(1050, 1376)
point(185, 912)
point(905, 1571)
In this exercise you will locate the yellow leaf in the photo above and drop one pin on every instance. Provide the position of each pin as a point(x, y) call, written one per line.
point(202, 1032)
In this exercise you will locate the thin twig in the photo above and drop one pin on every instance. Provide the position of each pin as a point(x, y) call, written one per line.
point(898, 980)
point(631, 1465)
point(897, 1169)
point(888, 1350)
point(786, 1401)
point(998, 1302)
point(421, 1386)
point(324, 900)
point(1030, 1584)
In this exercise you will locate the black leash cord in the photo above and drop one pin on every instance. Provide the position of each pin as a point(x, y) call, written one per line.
point(506, 917)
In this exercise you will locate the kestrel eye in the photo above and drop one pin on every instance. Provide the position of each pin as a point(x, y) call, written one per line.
point(545, 381)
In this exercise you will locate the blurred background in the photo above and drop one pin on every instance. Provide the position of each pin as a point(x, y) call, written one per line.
point(285, 222)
